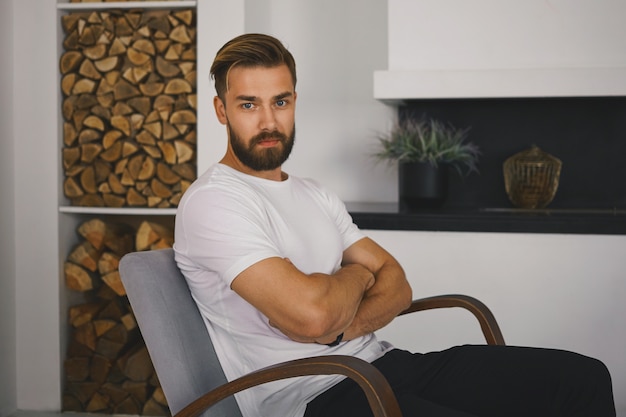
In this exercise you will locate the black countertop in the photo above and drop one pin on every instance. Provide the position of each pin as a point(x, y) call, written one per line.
point(388, 216)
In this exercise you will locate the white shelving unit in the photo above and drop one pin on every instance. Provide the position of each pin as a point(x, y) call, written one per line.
point(127, 5)
point(70, 217)
point(141, 211)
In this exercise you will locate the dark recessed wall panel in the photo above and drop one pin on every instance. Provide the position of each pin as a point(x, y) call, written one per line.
point(588, 134)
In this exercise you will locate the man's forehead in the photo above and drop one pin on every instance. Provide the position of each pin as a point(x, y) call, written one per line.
point(259, 81)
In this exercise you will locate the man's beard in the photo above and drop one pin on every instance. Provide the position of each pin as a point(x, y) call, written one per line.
point(262, 159)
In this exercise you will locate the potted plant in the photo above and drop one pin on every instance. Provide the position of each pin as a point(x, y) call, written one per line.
point(425, 150)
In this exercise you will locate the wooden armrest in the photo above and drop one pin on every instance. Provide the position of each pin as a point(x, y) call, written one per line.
point(488, 323)
point(379, 394)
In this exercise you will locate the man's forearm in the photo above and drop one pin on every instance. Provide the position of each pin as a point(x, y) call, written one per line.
point(331, 307)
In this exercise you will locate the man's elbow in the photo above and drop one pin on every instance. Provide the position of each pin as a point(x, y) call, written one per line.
point(405, 296)
point(408, 297)
point(319, 322)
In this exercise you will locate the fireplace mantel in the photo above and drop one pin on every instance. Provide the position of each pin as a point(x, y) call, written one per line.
point(395, 86)
point(493, 49)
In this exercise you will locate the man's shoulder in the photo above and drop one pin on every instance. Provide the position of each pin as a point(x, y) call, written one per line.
point(215, 184)
point(218, 177)
point(308, 183)
point(315, 189)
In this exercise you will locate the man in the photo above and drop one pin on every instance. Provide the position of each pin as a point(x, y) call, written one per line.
point(280, 272)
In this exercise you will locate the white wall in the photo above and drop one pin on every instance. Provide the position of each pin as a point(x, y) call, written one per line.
point(337, 47)
point(495, 34)
point(8, 396)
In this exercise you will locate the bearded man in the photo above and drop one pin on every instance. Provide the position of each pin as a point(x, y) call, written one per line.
point(280, 272)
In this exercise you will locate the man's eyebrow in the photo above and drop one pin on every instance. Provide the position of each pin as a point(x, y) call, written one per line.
point(246, 98)
point(280, 96)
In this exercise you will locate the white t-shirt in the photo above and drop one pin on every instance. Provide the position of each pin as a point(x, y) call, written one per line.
point(228, 221)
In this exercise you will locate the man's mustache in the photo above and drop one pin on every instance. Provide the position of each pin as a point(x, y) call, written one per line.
point(263, 136)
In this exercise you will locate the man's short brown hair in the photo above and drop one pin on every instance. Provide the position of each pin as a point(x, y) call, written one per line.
point(249, 50)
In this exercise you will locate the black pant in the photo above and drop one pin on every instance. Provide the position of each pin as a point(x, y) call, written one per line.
point(482, 381)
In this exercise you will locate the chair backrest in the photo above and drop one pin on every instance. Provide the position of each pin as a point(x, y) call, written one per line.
point(174, 331)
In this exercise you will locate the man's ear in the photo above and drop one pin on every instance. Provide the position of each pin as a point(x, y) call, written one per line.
point(220, 110)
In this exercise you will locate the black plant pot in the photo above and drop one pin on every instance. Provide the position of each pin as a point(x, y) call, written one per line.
point(422, 185)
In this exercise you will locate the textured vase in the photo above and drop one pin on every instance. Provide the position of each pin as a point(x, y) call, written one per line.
point(531, 178)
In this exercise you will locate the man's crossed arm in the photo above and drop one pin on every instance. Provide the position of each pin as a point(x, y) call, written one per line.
point(364, 295)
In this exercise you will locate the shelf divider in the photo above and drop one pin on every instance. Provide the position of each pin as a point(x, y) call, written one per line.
point(127, 5)
point(134, 211)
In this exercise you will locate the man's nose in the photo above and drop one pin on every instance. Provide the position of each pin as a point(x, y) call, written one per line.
point(268, 118)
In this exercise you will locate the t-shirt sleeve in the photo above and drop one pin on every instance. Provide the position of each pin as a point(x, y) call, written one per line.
point(222, 234)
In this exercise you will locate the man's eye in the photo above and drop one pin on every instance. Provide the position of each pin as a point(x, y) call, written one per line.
point(246, 106)
point(281, 103)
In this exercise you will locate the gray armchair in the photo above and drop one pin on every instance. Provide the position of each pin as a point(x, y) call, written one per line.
point(187, 366)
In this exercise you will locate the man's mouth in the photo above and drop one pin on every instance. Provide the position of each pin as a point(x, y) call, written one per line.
point(268, 142)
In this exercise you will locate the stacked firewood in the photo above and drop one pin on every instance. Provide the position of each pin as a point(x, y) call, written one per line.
point(129, 107)
point(107, 367)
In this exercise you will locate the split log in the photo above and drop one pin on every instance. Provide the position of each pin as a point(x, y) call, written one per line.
point(185, 152)
point(77, 278)
point(116, 237)
point(138, 390)
point(149, 233)
point(86, 335)
point(113, 280)
point(76, 350)
point(108, 262)
point(113, 310)
point(115, 393)
point(71, 403)
point(99, 369)
point(84, 313)
point(153, 408)
point(82, 391)
point(159, 396)
point(137, 365)
point(72, 189)
point(129, 322)
point(97, 402)
point(129, 406)
point(105, 293)
point(94, 231)
point(76, 369)
point(103, 326)
point(86, 256)
point(108, 348)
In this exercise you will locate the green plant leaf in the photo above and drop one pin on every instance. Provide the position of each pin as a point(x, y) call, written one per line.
point(415, 140)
